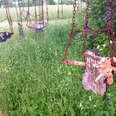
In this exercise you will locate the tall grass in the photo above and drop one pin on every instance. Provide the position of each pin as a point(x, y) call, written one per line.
point(34, 82)
point(52, 11)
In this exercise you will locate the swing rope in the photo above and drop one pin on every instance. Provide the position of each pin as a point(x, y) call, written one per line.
point(42, 11)
point(35, 11)
point(28, 14)
point(8, 16)
point(71, 32)
point(47, 10)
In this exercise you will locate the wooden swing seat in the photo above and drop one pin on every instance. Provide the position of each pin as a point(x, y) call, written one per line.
point(96, 71)
point(37, 26)
point(104, 64)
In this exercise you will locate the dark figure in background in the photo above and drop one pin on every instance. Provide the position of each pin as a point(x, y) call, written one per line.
point(4, 36)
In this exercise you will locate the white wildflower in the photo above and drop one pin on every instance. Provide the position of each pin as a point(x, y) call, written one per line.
point(98, 47)
point(104, 45)
point(110, 42)
point(94, 105)
point(101, 49)
point(102, 60)
point(80, 104)
point(90, 98)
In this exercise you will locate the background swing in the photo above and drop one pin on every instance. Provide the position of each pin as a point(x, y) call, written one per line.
point(36, 17)
point(97, 68)
point(6, 35)
point(41, 20)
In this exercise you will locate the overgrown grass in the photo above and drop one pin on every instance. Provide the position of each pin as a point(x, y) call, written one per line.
point(52, 12)
point(34, 82)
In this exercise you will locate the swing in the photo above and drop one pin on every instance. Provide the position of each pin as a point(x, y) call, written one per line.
point(38, 26)
point(6, 35)
point(98, 70)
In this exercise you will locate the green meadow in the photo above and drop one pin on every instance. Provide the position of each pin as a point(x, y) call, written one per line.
point(34, 82)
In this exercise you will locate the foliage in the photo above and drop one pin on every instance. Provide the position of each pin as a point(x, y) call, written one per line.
point(68, 2)
point(51, 2)
point(1, 2)
point(97, 20)
point(63, 1)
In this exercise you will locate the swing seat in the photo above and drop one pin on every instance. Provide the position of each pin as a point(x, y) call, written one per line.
point(37, 26)
point(95, 72)
point(5, 35)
